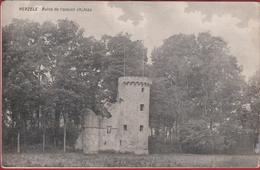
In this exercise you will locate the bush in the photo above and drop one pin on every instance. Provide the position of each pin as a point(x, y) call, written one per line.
point(196, 137)
point(9, 139)
point(157, 145)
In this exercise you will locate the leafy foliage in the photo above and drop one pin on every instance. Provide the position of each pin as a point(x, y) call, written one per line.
point(53, 72)
point(198, 87)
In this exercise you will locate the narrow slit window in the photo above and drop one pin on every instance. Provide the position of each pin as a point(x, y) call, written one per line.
point(125, 127)
point(142, 89)
point(109, 129)
point(120, 142)
point(141, 128)
point(141, 107)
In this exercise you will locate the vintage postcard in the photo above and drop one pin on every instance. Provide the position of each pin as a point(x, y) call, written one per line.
point(130, 84)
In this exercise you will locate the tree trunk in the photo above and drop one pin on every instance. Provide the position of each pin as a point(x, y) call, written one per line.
point(170, 134)
point(211, 135)
point(64, 133)
point(257, 130)
point(56, 126)
point(18, 133)
point(43, 141)
point(38, 120)
point(176, 127)
point(210, 124)
point(18, 142)
point(165, 131)
point(64, 138)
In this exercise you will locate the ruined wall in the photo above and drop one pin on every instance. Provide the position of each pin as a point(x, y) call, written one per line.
point(109, 137)
point(90, 133)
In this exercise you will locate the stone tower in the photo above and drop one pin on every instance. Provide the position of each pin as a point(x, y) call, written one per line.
point(127, 129)
point(134, 98)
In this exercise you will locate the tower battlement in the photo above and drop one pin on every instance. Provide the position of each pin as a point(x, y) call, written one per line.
point(144, 81)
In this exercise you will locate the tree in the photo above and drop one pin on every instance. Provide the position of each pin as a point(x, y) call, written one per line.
point(19, 39)
point(251, 117)
point(172, 68)
point(52, 73)
point(124, 57)
point(42, 62)
point(66, 85)
point(200, 81)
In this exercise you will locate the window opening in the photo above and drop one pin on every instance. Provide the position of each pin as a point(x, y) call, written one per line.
point(109, 129)
point(125, 127)
point(141, 107)
point(141, 128)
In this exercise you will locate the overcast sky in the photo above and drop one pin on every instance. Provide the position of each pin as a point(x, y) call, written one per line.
point(238, 23)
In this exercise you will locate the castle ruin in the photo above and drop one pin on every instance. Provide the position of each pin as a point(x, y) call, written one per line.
point(127, 130)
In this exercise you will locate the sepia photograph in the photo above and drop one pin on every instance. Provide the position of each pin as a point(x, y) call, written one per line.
point(130, 84)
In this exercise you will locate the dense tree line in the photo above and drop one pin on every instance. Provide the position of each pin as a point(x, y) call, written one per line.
point(53, 74)
point(201, 103)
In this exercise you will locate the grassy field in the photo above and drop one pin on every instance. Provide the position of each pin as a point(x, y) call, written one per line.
point(126, 160)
